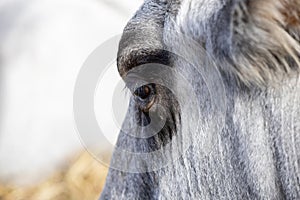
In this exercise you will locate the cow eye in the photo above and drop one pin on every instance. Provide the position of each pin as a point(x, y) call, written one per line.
point(145, 96)
point(143, 92)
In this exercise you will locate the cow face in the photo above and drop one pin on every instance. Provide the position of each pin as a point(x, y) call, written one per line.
point(214, 108)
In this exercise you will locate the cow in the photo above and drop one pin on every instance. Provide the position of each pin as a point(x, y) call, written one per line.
point(236, 133)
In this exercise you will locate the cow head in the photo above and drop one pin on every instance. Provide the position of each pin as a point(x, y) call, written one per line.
point(205, 77)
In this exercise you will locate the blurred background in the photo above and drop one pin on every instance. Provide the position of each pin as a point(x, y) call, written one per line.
point(43, 44)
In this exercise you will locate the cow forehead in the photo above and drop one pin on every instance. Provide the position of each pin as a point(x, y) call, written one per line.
point(194, 15)
point(145, 31)
point(204, 9)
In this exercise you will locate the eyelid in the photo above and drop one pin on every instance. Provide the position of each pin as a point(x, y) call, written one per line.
point(133, 81)
point(130, 59)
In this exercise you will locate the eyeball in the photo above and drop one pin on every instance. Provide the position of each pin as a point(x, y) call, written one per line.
point(144, 96)
point(143, 92)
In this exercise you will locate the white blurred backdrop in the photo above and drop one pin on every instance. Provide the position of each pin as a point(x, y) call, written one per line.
point(43, 44)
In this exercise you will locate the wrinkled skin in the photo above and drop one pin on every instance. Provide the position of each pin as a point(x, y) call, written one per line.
point(255, 47)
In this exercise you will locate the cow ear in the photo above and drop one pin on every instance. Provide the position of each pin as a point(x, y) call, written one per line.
point(265, 39)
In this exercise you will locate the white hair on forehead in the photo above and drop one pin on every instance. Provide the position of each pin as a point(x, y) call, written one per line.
point(187, 16)
point(258, 41)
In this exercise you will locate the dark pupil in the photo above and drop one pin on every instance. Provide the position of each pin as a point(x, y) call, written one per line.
point(143, 92)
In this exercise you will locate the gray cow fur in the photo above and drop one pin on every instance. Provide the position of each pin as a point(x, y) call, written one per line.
point(255, 45)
